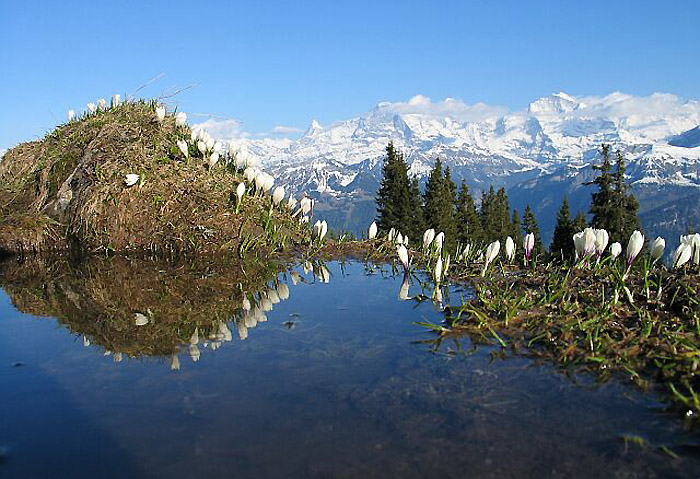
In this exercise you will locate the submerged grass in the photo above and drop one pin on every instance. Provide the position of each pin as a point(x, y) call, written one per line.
point(67, 191)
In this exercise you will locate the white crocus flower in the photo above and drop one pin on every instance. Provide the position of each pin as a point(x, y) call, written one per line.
point(403, 256)
point(681, 255)
point(439, 240)
point(131, 179)
point(491, 254)
point(510, 249)
point(91, 107)
point(372, 232)
point(202, 147)
point(428, 237)
point(657, 249)
point(213, 159)
point(528, 245)
point(180, 119)
point(391, 235)
point(399, 238)
point(160, 113)
point(140, 319)
point(115, 100)
point(182, 146)
point(71, 115)
point(634, 246)
point(601, 241)
point(278, 195)
point(615, 249)
point(101, 104)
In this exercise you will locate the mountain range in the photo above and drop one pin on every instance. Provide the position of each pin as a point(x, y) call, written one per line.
point(538, 154)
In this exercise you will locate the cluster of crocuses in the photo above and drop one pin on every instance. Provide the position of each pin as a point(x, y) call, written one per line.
point(592, 242)
point(319, 230)
point(93, 108)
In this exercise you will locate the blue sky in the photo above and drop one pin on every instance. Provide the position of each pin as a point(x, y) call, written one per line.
point(285, 63)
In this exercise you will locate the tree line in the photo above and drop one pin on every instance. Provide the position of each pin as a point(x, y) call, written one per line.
point(401, 205)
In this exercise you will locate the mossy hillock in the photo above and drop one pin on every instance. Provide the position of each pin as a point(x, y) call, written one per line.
point(68, 191)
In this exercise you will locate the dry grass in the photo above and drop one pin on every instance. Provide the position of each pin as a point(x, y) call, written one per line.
point(68, 191)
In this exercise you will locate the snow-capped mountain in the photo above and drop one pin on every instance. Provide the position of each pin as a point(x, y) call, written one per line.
point(538, 154)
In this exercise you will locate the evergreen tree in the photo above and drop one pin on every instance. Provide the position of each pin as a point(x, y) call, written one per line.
point(579, 223)
point(515, 227)
point(603, 201)
point(393, 198)
point(530, 226)
point(562, 246)
point(439, 203)
point(626, 205)
point(486, 214)
point(469, 229)
point(417, 223)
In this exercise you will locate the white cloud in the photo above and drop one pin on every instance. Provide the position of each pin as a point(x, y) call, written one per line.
point(282, 130)
point(226, 129)
point(451, 107)
point(621, 105)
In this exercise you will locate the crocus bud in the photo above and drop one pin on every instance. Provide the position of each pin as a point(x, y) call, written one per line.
point(403, 256)
point(91, 107)
point(601, 241)
point(681, 255)
point(278, 195)
point(214, 158)
point(160, 113)
point(529, 245)
point(439, 240)
point(101, 104)
point(615, 249)
point(510, 248)
point(240, 191)
point(491, 254)
point(657, 248)
point(115, 100)
point(180, 119)
point(131, 179)
point(634, 246)
point(71, 115)
point(428, 237)
point(372, 233)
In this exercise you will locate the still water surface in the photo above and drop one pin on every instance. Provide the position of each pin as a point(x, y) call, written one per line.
point(335, 384)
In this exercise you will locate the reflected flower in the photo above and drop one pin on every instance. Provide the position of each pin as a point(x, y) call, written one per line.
point(117, 357)
point(323, 274)
point(194, 339)
point(250, 319)
point(272, 295)
point(265, 304)
point(174, 362)
point(242, 330)
point(245, 303)
point(283, 291)
point(403, 292)
point(307, 267)
point(295, 277)
point(224, 332)
point(86, 341)
point(194, 352)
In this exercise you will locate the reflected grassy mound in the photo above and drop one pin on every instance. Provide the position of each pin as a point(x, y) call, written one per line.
point(140, 307)
point(69, 190)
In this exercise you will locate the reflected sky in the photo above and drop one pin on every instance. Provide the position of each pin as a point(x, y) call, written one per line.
point(323, 374)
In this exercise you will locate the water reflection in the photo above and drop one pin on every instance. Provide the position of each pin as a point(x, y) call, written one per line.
point(134, 307)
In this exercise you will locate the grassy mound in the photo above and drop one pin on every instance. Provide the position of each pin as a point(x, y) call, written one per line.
point(68, 191)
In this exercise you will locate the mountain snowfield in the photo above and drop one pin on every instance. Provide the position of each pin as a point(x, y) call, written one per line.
point(538, 154)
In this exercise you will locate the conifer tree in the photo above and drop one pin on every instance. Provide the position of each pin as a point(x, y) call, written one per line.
point(530, 226)
point(515, 227)
point(417, 223)
point(469, 229)
point(393, 197)
point(626, 205)
point(562, 246)
point(603, 201)
point(439, 203)
point(486, 214)
point(579, 223)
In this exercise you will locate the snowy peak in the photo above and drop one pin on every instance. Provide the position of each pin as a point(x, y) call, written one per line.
point(555, 104)
point(314, 129)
